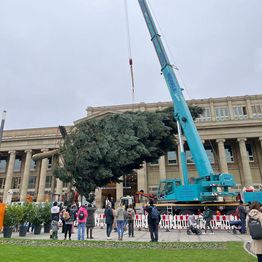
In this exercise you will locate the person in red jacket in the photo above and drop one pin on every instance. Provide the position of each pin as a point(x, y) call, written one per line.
point(81, 218)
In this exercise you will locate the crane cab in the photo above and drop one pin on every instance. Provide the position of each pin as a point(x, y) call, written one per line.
point(173, 190)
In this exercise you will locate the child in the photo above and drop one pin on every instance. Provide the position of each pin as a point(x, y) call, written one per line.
point(54, 228)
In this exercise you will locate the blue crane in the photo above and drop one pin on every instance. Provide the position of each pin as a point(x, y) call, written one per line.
point(208, 186)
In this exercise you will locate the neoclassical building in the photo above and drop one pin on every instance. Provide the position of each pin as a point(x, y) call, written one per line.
point(230, 128)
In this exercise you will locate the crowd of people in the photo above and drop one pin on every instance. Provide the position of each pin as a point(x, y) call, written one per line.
point(84, 216)
point(120, 219)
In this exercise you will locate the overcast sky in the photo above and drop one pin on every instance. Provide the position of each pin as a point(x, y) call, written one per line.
point(57, 57)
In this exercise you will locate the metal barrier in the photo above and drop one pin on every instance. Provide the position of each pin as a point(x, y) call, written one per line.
point(168, 222)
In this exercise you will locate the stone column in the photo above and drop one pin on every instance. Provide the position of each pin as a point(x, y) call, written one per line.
point(249, 108)
point(119, 190)
point(230, 107)
point(260, 155)
point(41, 187)
point(98, 197)
point(260, 139)
point(26, 174)
point(59, 183)
point(222, 156)
point(59, 189)
point(142, 178)
point(212, 110)
point(9, 174)
point(162, 167)
point(245, 162)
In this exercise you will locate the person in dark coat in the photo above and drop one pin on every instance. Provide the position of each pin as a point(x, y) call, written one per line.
point(242, 211)
point(153, 219)
point(90, 221)
point(207, 215)
point(109, 220)
point(69, 218)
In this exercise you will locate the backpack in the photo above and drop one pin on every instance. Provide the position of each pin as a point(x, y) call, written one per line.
point(129, 214)
point(255, 228)
point(66, 216)
point(154, 213)
point(81, 215)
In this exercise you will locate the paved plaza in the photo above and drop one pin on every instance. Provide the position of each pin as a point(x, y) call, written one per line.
point(143, 236)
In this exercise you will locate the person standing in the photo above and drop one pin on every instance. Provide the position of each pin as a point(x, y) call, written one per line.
point(114, 223)
point(74, 209)
point(256, 245)
point(109, 220)
point(130, 216)
point(62, 219)
point(69, 217)
point(207, 215)
point(153, 219)
point(81, 225)
point(242, 213)
point(90, 221)
point(55, 211)
point(120, 221)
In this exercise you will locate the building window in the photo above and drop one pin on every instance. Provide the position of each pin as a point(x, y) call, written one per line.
point(205, 116)
point(18, 164)
point(65, 184)
point(189, 158)
point(210, 154)
point(2, 183)
point(250, 152)
point(32, 182)
point(240, 112)
point(229, 154)
point(171, 157)
point(48, 181)
point(154, 163)
point(16, 182)
point(222, 113)
point(257, 111)
point(49, 163)
point(3, 162)
point(32, 165)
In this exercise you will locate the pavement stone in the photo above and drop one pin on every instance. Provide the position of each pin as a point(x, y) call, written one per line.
point(144, 236)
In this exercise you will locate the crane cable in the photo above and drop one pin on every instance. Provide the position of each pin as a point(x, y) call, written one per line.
point(130, 60)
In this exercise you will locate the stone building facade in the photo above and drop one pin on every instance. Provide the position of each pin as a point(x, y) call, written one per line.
point(230, 128)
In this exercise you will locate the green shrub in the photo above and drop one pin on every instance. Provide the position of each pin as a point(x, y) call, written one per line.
point(26, 212)
point(46, 213)
point(13, 215)
point(36, 216)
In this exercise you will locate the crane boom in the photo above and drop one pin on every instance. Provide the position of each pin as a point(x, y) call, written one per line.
point(181, 110)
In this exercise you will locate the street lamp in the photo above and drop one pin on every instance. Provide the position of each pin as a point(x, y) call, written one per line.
point(2, 125)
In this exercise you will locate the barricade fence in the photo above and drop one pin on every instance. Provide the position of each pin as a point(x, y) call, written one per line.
point(167, 222)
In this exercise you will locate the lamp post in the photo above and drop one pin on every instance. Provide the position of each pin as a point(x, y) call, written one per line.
point(2, 125)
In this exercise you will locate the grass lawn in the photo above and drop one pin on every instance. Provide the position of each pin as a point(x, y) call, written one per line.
point(44, 250)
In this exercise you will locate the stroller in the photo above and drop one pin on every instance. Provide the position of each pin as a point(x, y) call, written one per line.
point(193, 226)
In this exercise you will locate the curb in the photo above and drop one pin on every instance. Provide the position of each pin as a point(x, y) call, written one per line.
point(246, 247)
